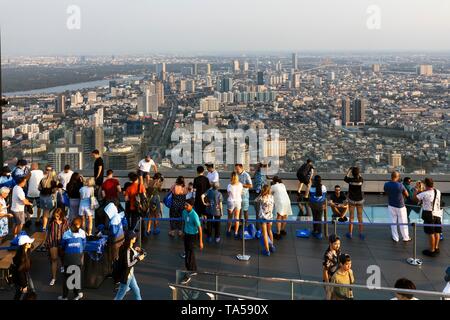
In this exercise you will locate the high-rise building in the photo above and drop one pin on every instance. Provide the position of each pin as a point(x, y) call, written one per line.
point(209, 83)
point(208, 69)
point(245, 67)
point(76, 99)
point(187, 71)
point(425, 70)
point(227, 84)
point(236, 66)
point(159, 91)
point(92, 139)
point(278, 66)
point(359, 111)
point(61, 104)
point(96, 119)
point(160, 69)
point(294, 61)
point(376, 68)
point(346, 111)
point(66, 155)
point(182, 85)
point(92, 97)
point(296, 80)
point(112, 84)
point(260, 78)
point(195, 68)
point(134, 128)
point(395, 160)
point(209, 103)
point(190, 86)
point(331, 76)
point(148, 104)
point(121, 157)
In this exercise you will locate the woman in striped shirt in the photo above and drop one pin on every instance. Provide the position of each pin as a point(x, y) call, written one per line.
point(58, 226)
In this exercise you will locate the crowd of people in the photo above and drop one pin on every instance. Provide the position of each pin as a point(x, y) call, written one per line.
point(70, 207)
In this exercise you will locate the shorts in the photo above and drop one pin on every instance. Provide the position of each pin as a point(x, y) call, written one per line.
point(234, 205)
point(46, 202)
point(245, 202)
point(86, 211)
point(143, 173)
point(19, 217)
point(428, 218)
point(354, 203)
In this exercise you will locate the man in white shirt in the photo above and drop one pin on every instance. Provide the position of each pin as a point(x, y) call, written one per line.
point(213, 175)
point(33, 185)
point(145, 166)
point(431, 215)
point(64, 176)
point(18, 203)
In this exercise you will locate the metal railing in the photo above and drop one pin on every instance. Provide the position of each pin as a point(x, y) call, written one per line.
point(213, 294)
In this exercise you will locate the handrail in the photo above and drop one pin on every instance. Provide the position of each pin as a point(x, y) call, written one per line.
point(321, 284)
point(231, 295)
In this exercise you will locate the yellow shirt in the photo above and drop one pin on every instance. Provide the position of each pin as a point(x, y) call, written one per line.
point(339, 277)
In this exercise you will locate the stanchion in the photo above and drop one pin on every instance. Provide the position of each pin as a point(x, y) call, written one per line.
point(243, 256)
point(414, 260)
point(335, 227)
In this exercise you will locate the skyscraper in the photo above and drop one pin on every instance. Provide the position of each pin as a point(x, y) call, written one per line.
point(425, 70)
point(294, 61)
point(160, 69)
point(61, 104)
point(148, 104)
point(376, 68)
point(260, 78)
point(227, 84)
point(245, 67)
point(195, 68)
point(121, 157)
point(159, 90)
point(190, 86)
point(92, 97)
point(278, 66)
point(296, 80)
point(236, 66)
point(359, 111)
point(346, 111)
point(66, 155)
point(395, 160)
point(208, 69)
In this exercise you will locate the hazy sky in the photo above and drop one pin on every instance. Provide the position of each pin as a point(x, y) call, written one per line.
point(32, 27)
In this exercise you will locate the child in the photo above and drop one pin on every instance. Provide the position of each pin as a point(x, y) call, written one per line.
point(344, 275)
point(191, 228)
point(266, 203)
point(212, 199)
point(4, 215)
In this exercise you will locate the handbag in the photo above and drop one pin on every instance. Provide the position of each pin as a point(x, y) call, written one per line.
point(94, 202)
point(141, 201)
point(168, 199)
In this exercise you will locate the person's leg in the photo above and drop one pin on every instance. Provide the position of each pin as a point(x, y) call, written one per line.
point(393, 216)
point(284, 224)
point(135, 288)
point(18, 293)
point(403, 220)
point(315, 213)
point(89, 225)
point(308, 186)
point(236, 223)
point(121, 292)
point(300, 186)
point(45, 218)
point(432, 242)
point(209, 226)
point(265, 236)
point(278, 224)
point(64, 284)
point(172, 222)
point(230, 215)
point(335, 211)
point(191, 264)
point(54, 261)
point(217, 227)
point(359, 210)
point(245, 217)
point(437, 238)
point(351, 210)
point(269, 231)
point(343, 211)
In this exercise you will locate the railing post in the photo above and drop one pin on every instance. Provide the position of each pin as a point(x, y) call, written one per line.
point(174, 292)
point(335, 227)
point(414, 260)
point(326, 221)
point(292, 290)
point(140, 233)
point(243, 256)
point(217, 286)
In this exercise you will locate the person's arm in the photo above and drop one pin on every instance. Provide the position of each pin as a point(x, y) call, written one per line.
point(155, 167)
point(325, 276)
point(203, 199)
point(103, 193)
point(200, 235)
point(119, 189)
point(405, 193)
point(127, 198)
point(100, 168)
point(25, 200)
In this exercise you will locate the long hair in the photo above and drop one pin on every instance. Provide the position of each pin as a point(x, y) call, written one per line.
point(180, 181)
point(318, 185)
point(355, 172)
point(265, 191)
point(73, 180)
point(61, 212)
point(23, 258)
point(234, 178)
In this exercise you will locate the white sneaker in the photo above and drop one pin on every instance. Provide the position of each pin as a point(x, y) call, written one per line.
point(52, 282)
point(62, 298)
point(79, 296)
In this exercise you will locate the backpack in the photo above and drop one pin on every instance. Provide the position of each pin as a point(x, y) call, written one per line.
point(303, 173)
point(142, 204)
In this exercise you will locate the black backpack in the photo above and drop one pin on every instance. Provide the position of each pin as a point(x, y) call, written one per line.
point(303, 173)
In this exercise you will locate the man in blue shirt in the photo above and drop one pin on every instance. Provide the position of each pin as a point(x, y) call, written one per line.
point(246, 181)
point(397, 210)
point(192, 227)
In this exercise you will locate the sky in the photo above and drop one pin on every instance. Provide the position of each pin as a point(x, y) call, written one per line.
point(40, 27)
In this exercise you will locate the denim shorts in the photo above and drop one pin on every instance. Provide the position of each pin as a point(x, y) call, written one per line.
point(245, 202)
point(46, 202)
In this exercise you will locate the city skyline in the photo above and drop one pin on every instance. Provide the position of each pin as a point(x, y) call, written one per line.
point(175, 26)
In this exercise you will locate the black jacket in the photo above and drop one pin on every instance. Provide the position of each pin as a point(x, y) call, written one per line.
point(19, 277)
point(127, 260)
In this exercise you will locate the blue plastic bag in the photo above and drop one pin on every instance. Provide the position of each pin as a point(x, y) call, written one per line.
point(15, 241)
point(303, 233)
point(262, 241)
point(168, 200)
point(251, 230)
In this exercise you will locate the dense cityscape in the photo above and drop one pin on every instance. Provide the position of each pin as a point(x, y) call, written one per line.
point(381, 113)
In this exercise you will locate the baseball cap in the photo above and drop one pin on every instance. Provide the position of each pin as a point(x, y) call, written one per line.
point(25, 239)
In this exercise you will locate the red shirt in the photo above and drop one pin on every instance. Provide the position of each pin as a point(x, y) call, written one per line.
point(110, 189)
point(132, 192)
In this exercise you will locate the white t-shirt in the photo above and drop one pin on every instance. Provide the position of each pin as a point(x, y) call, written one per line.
point(447, 290)
point(3, 208)
point(86, 192)
point(17, 199)
point(33, 183)
point(235, 192)
point(213, 177)
point(427, 198)
point(64, 178)
point(146, 166)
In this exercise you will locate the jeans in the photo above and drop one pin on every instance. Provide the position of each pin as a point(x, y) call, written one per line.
point(210, 225)
point(130, 285)
point(189, 260)
point(317, 211)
